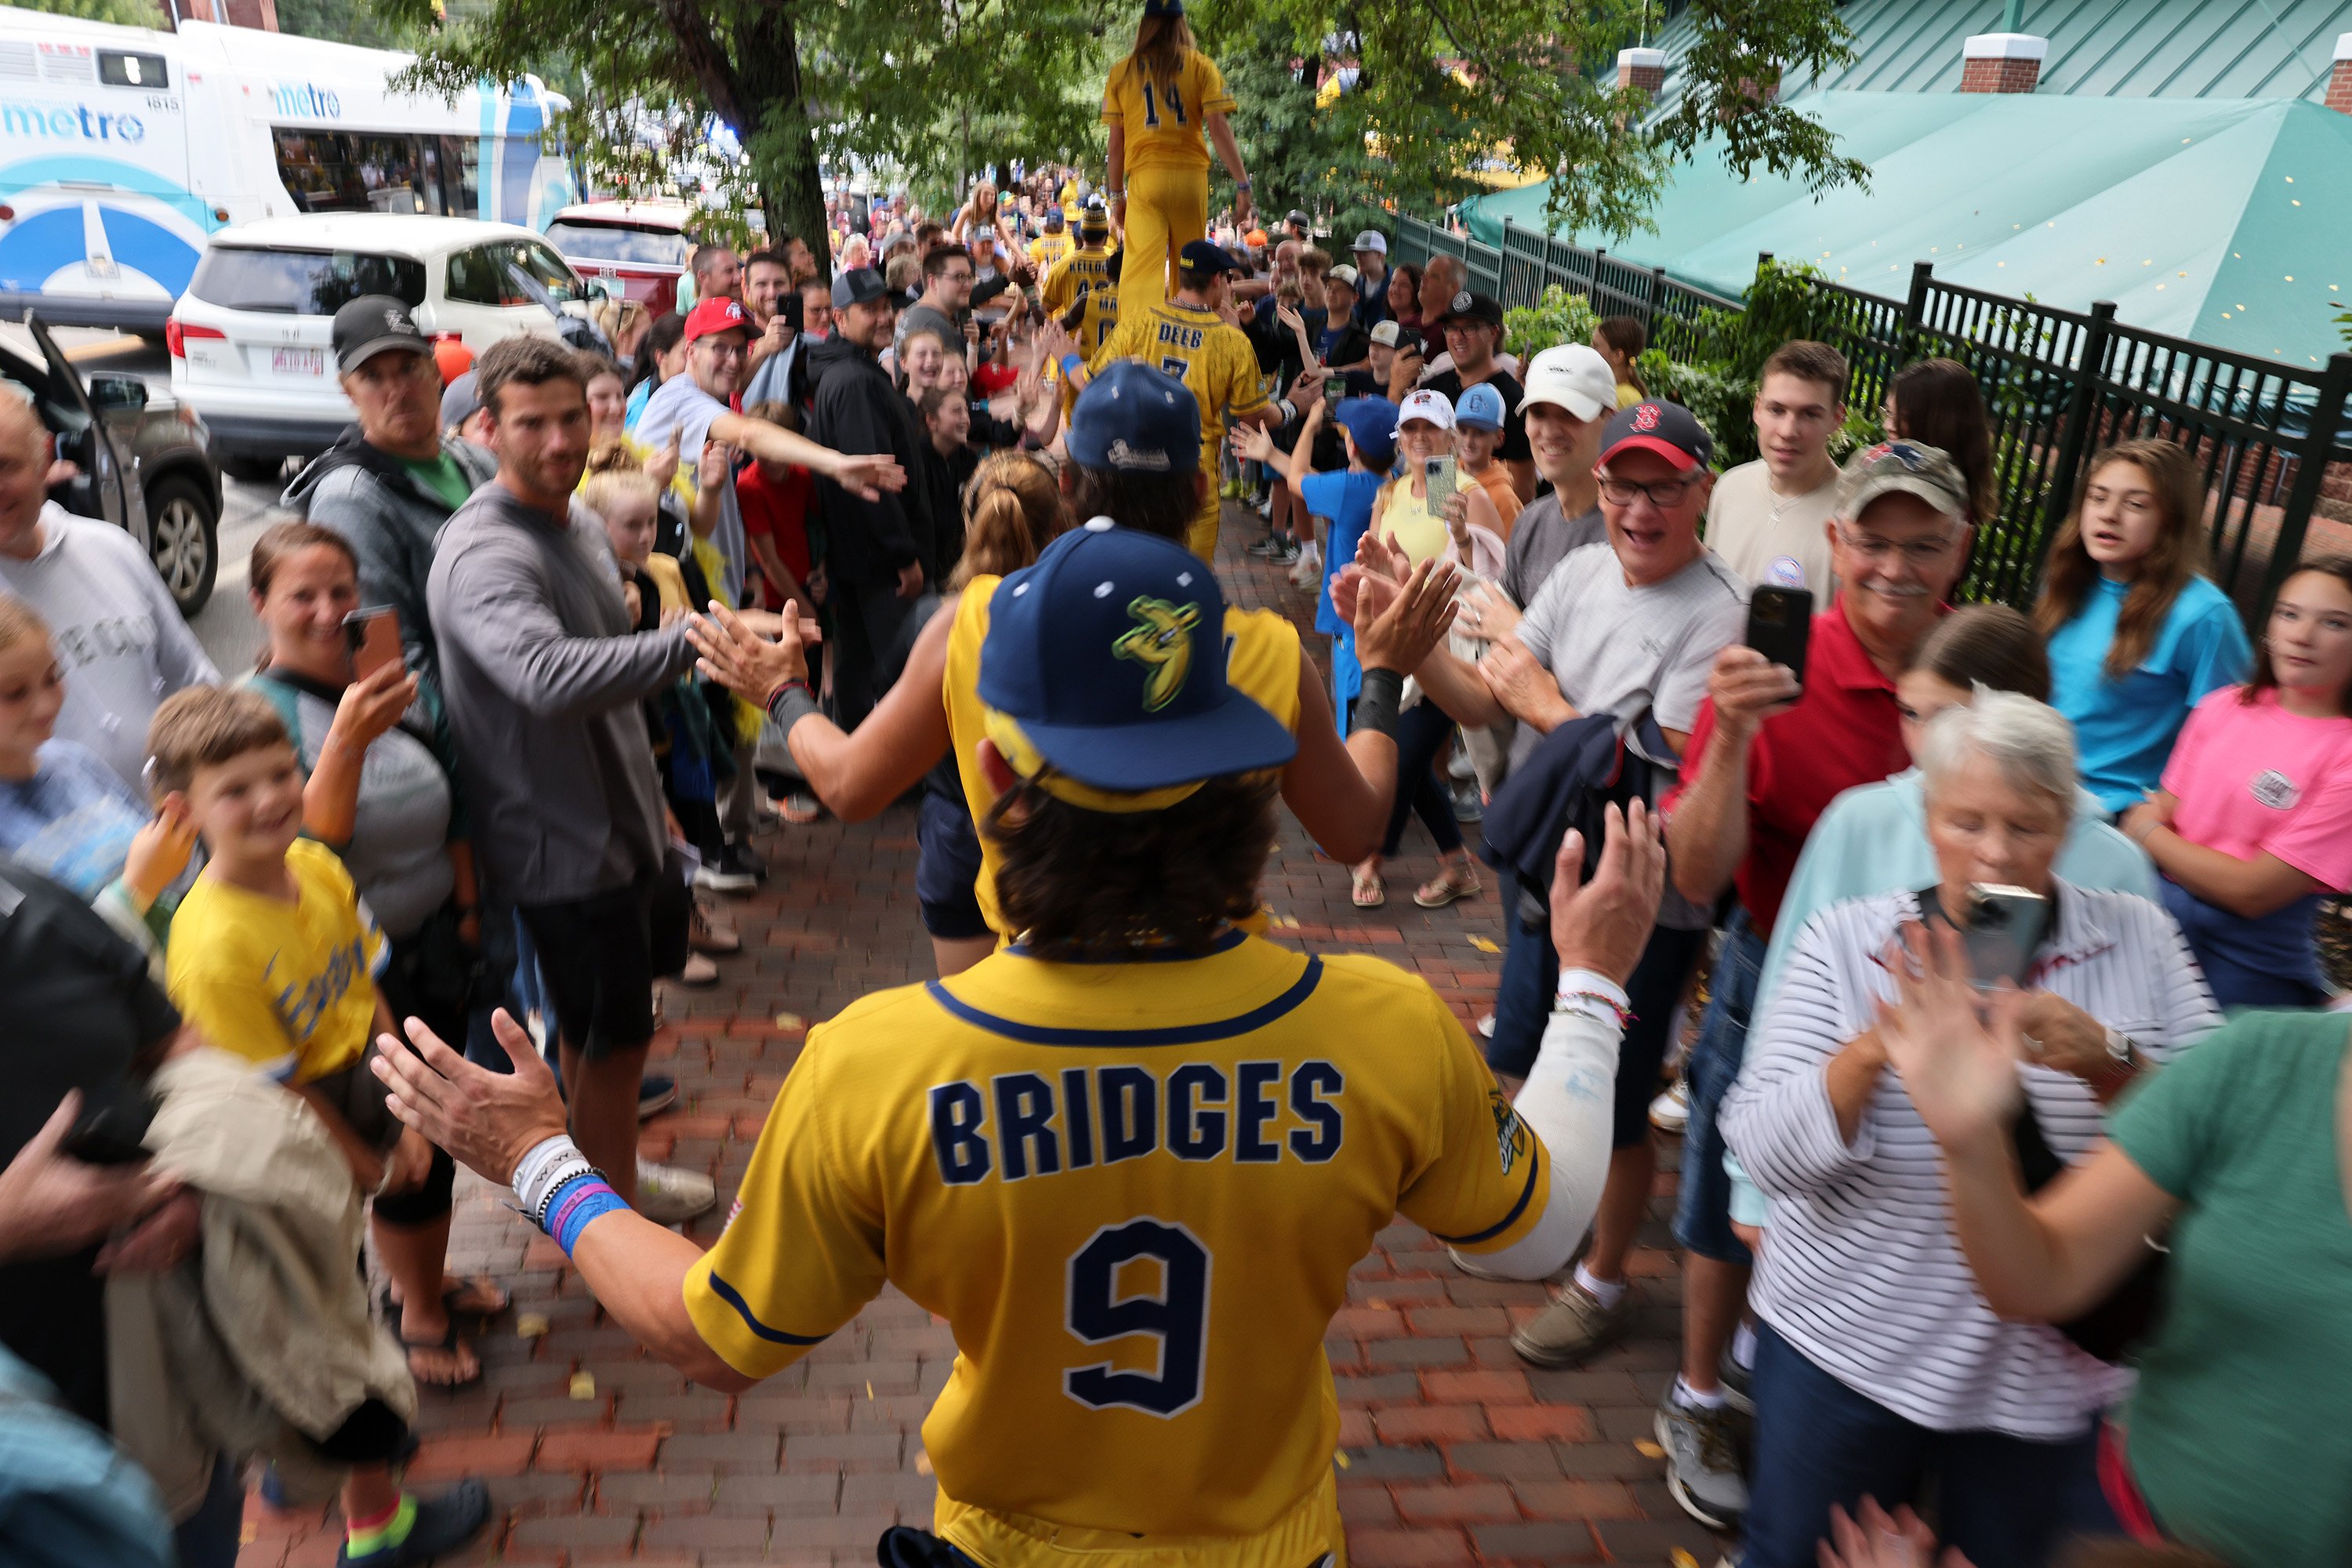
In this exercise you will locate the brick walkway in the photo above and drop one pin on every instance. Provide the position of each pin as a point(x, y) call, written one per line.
point(1455, 1451)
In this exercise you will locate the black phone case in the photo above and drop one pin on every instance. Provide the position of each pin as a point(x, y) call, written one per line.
point(1781, 626)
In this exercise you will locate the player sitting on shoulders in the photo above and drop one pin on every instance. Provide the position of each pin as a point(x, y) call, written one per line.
point(1131, 1158)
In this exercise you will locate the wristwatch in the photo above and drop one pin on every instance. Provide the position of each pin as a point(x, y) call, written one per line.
point(2122, 1051)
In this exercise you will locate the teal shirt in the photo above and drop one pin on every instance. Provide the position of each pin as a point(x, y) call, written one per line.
point(2234, 1435)
point(2125, 727)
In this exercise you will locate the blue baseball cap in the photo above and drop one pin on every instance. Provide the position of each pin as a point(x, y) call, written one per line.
point(1373, 421)
point(1163, 7)
point(1480, 407)
point(1207, 256)
point(1104, 673)
point(1137, 420)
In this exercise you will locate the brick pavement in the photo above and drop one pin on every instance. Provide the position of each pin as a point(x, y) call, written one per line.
point(1455, 1452)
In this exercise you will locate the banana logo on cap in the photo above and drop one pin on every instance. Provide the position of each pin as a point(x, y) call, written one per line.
point(1162, 643)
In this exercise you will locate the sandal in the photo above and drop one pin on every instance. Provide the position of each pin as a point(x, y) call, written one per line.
point(710, 933)
point(1367, 890)
point(463, 1299)
point(448, 1342)
point(1454, 883)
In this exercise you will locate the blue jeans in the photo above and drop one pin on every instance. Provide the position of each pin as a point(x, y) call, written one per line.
point(1523, 998)
point(209, 1537)
point(2006, 1503)
point(1703, 1212)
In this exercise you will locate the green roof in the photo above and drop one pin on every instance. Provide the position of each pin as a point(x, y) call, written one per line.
point(2225, 220)
point(2098, 48)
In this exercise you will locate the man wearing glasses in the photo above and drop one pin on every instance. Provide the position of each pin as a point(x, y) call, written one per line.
point(1765, 519)
point(1766, 756)
point(1628, 624)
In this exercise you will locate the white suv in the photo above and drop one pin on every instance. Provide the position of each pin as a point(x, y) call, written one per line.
point(250, 338)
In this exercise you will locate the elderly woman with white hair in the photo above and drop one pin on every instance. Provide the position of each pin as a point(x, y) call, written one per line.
point(1879, 1366)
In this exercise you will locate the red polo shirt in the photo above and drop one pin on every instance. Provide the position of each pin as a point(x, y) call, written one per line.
point(1843, 730)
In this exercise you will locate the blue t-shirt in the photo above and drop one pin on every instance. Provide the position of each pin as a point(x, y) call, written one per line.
point(1345, 500)
point(2124, 729)
point(73, 820)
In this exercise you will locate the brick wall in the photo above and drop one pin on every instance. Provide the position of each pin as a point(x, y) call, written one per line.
point(2000, 76)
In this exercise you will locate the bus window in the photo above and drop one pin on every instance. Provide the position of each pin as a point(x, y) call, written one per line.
point(461, 158)
point(335, 171)
point(302, 282)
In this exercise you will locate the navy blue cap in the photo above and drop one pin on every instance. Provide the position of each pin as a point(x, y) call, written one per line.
point(1654, 425)
point(1137, 420)
point(1163, 7)
point(1372, 422)
point(1109, 656)
point(1207, 256)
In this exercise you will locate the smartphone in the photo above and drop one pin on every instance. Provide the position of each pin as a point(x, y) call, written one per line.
point(111, 1127)
point(374, 632)
point(1779, 625)
point(1335, 387)
point(2005, 927)
point(1440, 473)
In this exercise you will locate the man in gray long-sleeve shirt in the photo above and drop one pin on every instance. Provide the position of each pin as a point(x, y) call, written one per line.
point(542, 681)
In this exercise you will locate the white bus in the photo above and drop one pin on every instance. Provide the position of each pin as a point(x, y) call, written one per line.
point(121, 148)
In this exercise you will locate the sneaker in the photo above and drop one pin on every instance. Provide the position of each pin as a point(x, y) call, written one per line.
point(1571, 1329)
point(720, 876)
point(1486, 1026)
point(669, 1196)
point(743, 857)
point(1468, 806)
point(1285, 555)
point(656, 1092)
point(1703, 1468)
point(1670, 1112)
point(710, 932)
point(1266, 549)
point(443, 1524)
point(1738, 1384)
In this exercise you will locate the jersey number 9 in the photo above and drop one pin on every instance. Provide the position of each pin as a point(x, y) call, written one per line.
point(1177, 1315)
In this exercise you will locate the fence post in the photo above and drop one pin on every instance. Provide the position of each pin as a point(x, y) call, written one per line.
point(1502, 268)
point(2082, 415)
point(2318, 447)
point(1914, 309)
point(1657, 292)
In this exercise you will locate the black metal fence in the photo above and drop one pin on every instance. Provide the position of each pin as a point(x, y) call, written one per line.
point(2059, 385)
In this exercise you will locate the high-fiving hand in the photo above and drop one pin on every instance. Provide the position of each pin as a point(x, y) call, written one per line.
point(1955, 1048)
point(1603, 925)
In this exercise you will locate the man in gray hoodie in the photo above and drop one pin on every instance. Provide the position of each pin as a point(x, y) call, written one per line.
point(543, 683)
point(394, 478)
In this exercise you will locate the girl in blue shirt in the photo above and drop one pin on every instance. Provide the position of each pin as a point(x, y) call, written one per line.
point(2138, 635)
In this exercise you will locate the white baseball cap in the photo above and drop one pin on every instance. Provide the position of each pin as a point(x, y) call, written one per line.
point(1343, 273)
point(1386, 334)
point(1371, 240)
point(1571, 376)
point(1430, 405)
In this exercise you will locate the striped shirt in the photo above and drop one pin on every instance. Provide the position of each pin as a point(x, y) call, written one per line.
point(1864, 1274)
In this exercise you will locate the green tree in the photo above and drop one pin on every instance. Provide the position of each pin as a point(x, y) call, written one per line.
point(1298, 155)
point(344, 22)
point(122, 13)
point(1444, 87)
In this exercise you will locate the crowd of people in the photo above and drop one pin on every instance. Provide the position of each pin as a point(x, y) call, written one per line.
point(1994, 1235)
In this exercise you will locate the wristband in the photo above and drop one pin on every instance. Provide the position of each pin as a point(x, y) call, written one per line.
point(559, 1181)
point(1376, 706)
point(1594, 995)
point(580, 1205)
point(790, 704)
point(532, 1173)
point(1289, 409)
point(1071, 364)
point(1242, 184)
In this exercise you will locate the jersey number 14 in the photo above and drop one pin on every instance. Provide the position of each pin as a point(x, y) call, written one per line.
point(1151, 106)
point(1176, 1314)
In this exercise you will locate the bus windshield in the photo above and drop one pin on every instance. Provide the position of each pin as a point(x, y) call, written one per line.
point(302, 282)
point(618, 243)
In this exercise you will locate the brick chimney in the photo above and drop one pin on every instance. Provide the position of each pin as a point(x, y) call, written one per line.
point(2002, 62)
point(1646, 69)
point(2339, 80)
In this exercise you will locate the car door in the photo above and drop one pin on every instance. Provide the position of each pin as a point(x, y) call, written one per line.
point(102, 487)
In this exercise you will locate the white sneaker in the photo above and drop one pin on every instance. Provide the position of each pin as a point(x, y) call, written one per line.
point(669, 1196)
point(1670, 1112)
point(1486, 1026)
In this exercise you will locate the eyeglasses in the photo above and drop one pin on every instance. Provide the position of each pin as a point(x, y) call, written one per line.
point(1920, 553)
point(1664, 494)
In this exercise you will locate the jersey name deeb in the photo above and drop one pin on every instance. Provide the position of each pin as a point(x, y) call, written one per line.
point(1021, 1124)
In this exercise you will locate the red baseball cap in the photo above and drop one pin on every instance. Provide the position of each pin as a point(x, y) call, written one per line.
point(715, 316)
point(1669, 429)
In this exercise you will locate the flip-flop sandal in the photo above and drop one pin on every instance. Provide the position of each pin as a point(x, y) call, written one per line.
point(451, 1303)
point(1367, 890)
point(448, 1342)
point(1444, 889)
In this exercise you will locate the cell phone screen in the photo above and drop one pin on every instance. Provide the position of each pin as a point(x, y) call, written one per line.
point(1334, 389)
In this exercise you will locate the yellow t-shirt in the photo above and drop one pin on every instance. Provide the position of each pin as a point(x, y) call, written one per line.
point(288, 987)
point(1164, 128)
point(1261, 663)
point(1048, 248)
point(1204, 352)
point(1406, 522)
point(1135, 1190)
point(1628, 394)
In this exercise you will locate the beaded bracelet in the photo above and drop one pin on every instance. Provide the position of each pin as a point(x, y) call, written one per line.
point(553, 1196)
point(1565, 1002)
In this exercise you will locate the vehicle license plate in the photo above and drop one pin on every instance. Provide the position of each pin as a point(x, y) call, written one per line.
point(299, 362)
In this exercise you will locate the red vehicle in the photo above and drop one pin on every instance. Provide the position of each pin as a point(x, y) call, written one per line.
point(640, 246)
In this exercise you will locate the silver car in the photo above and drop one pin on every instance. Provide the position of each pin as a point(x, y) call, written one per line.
point(145, 461)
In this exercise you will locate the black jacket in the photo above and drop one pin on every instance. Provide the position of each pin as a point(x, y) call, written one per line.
point(859, 411)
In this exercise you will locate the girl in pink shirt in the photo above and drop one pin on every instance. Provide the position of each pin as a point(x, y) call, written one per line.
point(2254, 823)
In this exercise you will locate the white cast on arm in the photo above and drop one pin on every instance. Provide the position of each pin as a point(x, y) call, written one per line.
point(1569, 1104)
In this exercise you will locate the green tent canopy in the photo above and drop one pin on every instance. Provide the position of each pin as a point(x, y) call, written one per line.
point(2228, 221)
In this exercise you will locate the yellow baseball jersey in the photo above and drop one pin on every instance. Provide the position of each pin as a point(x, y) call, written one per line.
point(1204, 352)
point(288, 985)
point(1135, 1191)
point(1049, 248)
point(1163, 124)
point(1262, 657)
point(1086, 274)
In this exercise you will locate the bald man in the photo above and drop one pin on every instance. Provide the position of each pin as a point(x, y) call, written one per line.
point(120, 639)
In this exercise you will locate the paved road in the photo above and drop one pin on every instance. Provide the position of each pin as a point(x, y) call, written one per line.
point(225, 625)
